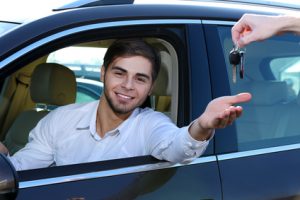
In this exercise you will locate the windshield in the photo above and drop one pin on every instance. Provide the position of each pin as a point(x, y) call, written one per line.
point(6, 26)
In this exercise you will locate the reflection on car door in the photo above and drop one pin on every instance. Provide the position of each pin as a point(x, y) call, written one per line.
point(257, 162)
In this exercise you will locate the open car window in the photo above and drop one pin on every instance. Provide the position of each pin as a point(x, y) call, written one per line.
point(85, 61)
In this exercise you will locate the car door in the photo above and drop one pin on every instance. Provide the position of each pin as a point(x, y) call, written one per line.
point(258, 155)
point(129, 178)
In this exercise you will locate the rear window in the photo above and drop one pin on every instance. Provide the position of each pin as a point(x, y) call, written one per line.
point(272, 76)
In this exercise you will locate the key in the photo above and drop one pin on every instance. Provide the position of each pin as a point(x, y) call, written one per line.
point(242, 62)
point(234, 59)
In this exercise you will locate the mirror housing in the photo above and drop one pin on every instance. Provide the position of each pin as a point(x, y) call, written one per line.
point(9, 184)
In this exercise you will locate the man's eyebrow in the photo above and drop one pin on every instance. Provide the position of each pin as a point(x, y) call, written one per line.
point(123, 70)
point(143, 75)
point(118, 68)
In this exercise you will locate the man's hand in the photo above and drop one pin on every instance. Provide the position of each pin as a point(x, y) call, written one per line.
point(219, 113)
point(3, 149)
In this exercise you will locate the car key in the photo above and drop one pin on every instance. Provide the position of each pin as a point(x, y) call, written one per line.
point(242, 62)
point(234, 59)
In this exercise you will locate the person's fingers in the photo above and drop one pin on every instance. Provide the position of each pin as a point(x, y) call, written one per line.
point(239, 111)
point(223, 118)
point(3, 149)
point(233, 115)
point(238, 32)
point(239, 98)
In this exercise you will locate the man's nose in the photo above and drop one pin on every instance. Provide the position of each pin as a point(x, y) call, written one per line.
point(128, 83)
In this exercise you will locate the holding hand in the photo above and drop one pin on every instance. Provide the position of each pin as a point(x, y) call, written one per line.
point(255, 28)
point(252, 27)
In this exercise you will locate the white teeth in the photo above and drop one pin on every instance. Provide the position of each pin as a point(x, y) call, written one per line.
point(123, 96)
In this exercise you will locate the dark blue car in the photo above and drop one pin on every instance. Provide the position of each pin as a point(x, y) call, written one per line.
point(258, 157)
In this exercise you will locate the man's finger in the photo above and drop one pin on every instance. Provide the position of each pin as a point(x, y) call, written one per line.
point(233, 115)
point(239, 98)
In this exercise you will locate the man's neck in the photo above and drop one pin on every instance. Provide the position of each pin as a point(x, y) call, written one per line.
point(107, 119)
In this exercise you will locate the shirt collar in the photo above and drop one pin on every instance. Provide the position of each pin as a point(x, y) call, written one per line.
point(88, 122)
point(88, 116)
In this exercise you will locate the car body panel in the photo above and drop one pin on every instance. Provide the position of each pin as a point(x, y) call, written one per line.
point(222, 172)
point(197, 180)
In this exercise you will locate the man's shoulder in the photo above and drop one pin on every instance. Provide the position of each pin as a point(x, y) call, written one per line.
point(76, 107)
point(152, 114)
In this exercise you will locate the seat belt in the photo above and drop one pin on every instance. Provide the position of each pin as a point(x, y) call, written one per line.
point(18, 101)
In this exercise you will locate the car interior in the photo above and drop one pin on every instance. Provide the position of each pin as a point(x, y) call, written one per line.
point(34, 90)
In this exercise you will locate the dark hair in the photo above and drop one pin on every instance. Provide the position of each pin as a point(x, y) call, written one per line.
point(133, 47)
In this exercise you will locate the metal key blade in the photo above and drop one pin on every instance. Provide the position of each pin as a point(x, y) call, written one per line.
point(234, 73)
point(242, 71)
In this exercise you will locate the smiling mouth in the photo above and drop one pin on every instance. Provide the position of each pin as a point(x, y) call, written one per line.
point(124, 96)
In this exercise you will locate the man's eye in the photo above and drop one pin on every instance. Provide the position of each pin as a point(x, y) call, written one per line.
point(141, 80)
point(118, 73)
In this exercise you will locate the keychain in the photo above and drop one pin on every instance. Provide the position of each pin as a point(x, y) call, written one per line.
point(237, 58)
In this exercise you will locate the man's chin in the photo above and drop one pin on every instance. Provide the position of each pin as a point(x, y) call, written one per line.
point(122, 110)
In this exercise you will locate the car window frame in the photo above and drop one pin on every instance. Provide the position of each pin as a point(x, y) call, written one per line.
point(13, 61)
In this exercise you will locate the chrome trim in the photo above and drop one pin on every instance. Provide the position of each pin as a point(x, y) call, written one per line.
point(91, 27)
point(113, 172)
point(231, 23)
point(257, 152)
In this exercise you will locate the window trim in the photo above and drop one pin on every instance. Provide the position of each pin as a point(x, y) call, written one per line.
point(268, 150)
point(89, 27)
point(112, 172)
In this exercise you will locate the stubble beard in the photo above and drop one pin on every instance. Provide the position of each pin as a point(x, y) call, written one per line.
point(115, 108)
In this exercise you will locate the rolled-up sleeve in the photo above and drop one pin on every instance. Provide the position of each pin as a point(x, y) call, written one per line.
point(168, 142)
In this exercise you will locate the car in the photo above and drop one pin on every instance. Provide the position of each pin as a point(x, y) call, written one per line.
point(257, 157)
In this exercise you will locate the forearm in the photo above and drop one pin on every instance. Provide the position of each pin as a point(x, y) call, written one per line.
point(289, 23)
point(178, 146)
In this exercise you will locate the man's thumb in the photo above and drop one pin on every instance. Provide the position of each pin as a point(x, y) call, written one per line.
point(241, 97)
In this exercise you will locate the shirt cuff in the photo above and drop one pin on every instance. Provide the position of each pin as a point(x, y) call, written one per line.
point(194, 148)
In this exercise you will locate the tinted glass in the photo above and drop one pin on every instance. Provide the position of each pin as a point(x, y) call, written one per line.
point(6, 26)
point(272, 76)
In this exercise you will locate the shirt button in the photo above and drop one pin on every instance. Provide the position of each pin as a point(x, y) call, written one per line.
point(198, 145)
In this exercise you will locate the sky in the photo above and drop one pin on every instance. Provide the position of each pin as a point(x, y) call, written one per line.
point(24, 10)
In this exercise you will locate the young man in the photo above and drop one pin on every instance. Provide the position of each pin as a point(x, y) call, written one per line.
point(116, 126)
point(253, 27)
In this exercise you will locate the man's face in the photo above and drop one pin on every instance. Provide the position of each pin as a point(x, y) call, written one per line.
point(127, 83)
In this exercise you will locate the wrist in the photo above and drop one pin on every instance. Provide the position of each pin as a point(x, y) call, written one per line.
point(289, 23)
point(200, 132)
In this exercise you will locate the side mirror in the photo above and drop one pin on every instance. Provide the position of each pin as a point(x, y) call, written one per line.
point(8, 179)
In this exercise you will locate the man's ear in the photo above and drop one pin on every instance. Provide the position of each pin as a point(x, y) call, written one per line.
point(102, 73)
point(151, 89)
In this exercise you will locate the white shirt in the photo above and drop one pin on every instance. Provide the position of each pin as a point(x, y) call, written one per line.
point(68, 135)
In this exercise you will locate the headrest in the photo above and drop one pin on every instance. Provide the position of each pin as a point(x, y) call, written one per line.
point(265, 92)
point(53, 84)
point(162, 86)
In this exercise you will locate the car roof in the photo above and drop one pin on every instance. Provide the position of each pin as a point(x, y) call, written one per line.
point(93, 3)
point(206, 10)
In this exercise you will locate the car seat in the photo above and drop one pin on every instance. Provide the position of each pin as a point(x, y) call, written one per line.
point(162, 90)
point(51, 84)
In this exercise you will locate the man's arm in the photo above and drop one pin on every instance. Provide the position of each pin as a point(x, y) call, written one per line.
point(253, 27)
point(219, 113)
point(168, 142)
